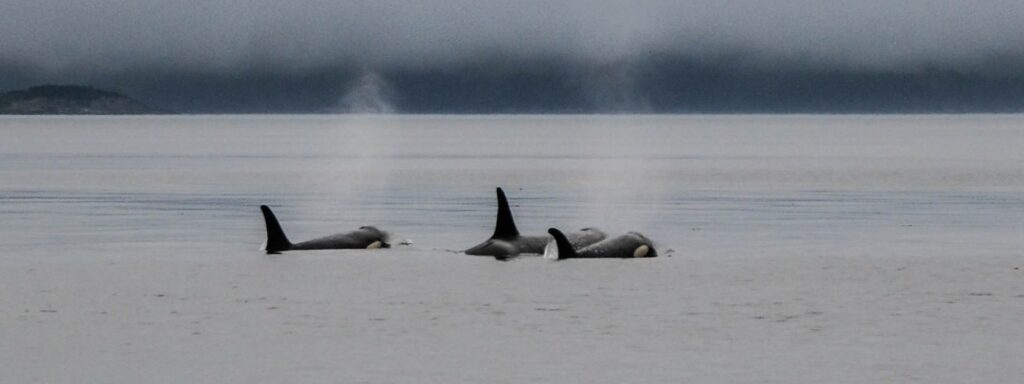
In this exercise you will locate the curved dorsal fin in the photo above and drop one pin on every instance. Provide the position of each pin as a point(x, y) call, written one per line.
point(505, 227)
point(565, 250)
point(276, 240)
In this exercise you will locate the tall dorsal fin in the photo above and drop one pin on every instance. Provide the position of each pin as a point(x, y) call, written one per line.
point(565, 250)
point(505, 227)
point(276, 240)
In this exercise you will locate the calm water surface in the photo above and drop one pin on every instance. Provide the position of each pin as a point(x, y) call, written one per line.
point(835, 249)
point(81, 187)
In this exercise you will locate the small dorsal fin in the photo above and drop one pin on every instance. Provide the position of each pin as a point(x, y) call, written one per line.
point(565, 250)
point(505, 226)
point(276, 240)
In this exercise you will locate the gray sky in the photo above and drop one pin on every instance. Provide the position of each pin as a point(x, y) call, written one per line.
point(98, 36)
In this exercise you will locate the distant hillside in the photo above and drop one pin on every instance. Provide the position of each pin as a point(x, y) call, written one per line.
point(70, 100)
point(647, 85)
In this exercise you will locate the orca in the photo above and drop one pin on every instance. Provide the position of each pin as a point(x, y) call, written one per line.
point(362, 238)
point(507, 242)
point(630, 245)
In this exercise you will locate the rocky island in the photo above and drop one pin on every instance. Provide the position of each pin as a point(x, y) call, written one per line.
point(70, 100)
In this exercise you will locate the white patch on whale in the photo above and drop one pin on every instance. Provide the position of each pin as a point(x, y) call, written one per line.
point(551, 250)
point(641, 251)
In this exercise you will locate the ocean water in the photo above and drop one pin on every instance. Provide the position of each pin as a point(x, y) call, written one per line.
point(191, 186)
point(798, 249)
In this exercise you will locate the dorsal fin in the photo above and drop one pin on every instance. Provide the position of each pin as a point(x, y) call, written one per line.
point(565, 250)
point(505, 227)
point(276, 240)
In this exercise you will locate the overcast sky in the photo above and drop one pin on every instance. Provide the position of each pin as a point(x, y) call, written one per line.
point(98, 36)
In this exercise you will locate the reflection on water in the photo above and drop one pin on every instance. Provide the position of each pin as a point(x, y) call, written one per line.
point(191, 186)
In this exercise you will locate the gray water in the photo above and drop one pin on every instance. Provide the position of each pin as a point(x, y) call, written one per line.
point(154, 187)
point(839, 249)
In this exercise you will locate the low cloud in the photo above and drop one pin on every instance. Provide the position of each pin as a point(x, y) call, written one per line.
point(98, 37)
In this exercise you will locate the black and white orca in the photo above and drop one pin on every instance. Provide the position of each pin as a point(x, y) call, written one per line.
point(508, 242)
point(362, 238)
point(630, 245)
